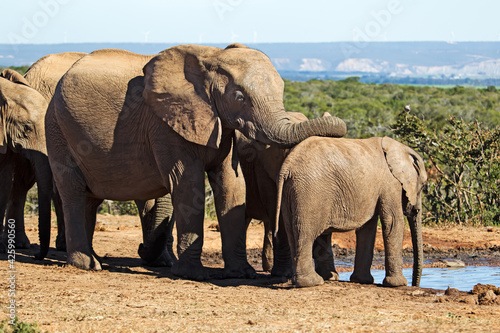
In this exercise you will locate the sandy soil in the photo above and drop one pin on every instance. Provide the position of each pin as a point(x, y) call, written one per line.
point(128, 297)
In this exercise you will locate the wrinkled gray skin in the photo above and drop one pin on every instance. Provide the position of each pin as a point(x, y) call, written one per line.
point(23, 157)
point(161, 123)
point(354, 182)
point(156, 250)
point(260, 165)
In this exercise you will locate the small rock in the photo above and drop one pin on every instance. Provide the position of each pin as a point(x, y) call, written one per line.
point(470, 299)
point(490, 229)
point(453, 262)
point(250, 322)
point(482, 288)
point(417, 293)
point(452, 292)
point(488, 297)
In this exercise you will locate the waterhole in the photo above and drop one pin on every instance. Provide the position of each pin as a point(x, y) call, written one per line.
point(464, 278)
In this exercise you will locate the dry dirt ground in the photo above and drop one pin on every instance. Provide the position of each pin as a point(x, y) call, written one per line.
point(128, 297)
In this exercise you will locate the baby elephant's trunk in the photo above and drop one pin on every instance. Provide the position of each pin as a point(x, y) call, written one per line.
point(415, 223)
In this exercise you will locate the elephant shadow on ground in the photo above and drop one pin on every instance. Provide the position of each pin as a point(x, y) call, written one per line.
point(129, 265)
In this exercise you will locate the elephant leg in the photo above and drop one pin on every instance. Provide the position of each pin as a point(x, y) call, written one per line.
point(392, 229)
point(304, 273)
point(61, 238)
point(72, 188)
point(323, 257)
point(282, 257)
point(228, 185)
point(15, 208)
point(365, 242)
point(188, 198)
point(91, 206)
point(78, 247)
point(157, 224)
point(301, 245)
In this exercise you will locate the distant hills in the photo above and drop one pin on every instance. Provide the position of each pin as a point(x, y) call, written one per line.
point(471, 63)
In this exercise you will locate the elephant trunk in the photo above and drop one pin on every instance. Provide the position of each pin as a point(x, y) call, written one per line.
point(415, 223)
point(157, 223)
point(283, 132)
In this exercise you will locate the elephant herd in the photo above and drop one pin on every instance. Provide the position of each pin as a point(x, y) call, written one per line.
point(122, 126)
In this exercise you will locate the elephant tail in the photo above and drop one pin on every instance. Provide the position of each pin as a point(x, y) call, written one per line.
point(281, 180)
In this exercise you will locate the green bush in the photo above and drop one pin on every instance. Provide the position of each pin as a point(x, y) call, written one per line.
point(18, 327)
point(463, 168)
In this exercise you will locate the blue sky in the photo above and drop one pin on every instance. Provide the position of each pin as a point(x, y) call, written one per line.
point(247, 21)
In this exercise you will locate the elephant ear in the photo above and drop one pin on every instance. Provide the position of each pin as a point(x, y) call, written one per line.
point(176, 87)
point(406, 166)
point(14, 76)
point(17, 78)
point(3, 120)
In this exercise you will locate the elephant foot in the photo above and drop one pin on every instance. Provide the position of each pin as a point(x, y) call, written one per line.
point(148, 254)
point(282, 271)
point(361, 278)
point(190, 270)
point(164, 260)
point(242, 271)
point(328, 274)
point(308, 280)
point(41, 255)
point(394, 281)
point(83, 261)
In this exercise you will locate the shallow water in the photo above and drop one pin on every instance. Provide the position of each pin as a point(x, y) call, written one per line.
point(464, 278)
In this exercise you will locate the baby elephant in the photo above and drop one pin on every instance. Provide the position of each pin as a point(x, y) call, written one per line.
point(329, 184)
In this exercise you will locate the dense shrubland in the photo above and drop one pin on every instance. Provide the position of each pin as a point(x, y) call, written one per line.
point(456, 130)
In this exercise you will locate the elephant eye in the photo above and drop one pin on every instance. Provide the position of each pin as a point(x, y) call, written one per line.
point(239, 96)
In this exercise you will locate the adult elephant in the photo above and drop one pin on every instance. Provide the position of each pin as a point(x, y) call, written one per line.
point(261, 165)
point(339, 185)
point(124, 126)
point(155, 214)
point(23, 157)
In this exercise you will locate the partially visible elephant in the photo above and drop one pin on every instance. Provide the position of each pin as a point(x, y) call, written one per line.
point(260, 165)
point(43, 76)
point(23, 156)
point(46, 72)
point(124, 126)
point(330, 185)
point(156, 215)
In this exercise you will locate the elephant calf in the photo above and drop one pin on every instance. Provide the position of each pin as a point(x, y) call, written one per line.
point(327, 185)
